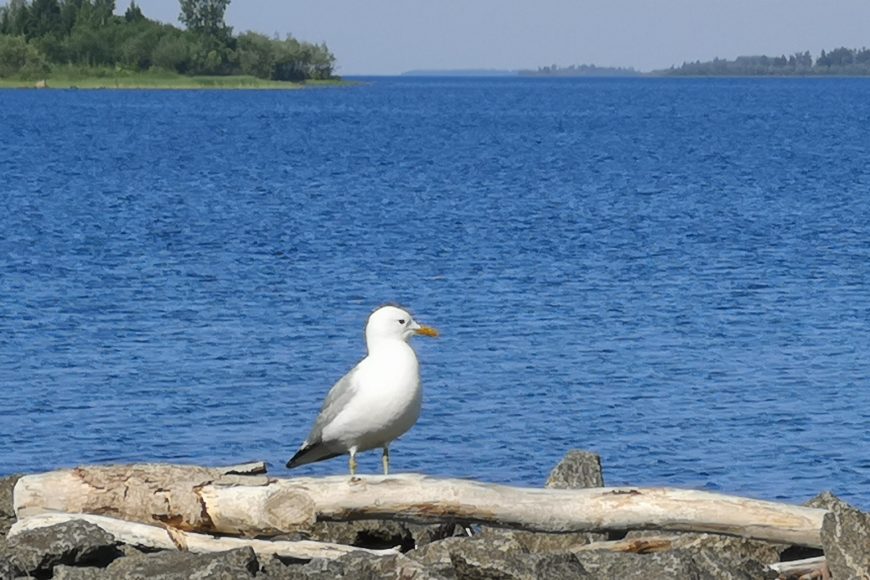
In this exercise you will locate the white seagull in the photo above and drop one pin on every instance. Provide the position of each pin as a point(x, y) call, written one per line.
point(377, 401)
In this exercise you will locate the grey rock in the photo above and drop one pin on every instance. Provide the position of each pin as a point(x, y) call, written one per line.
point(727, 566)
point(63, 572)
point(7, 518)
point(357, 565)
point(7, 570)
point(541, 542)
point(607, 565)
point(736, 548)
point(479, 566)
point(826, 501)
point(846, 540)
point(579, 469)
point(690, 564)
point(426, 534)
point(440, 557)
point(7, 514)
point(229, 565)
point(76, 542)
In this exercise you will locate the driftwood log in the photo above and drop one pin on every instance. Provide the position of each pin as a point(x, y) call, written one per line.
point(242, 501)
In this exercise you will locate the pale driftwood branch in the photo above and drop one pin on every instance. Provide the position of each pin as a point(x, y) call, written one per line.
point(200, 499)
point(647, 545)
point(806, 567)
point(162, 538)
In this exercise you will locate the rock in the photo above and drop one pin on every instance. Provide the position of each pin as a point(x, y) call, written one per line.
point(7, 570)
point(229, 565)
point(357, 565)
point(63, 572)
point(578, 470)
point(727, 566)
point(846, 539)
point(479, 566)
point(43, 84)
point(638, 567)
point(542, 542)
point(491, 555)
point(426, 534)
point(7, 514)
point(7, 517)
point(735, 548)
point(77, 542)
point(826, 501)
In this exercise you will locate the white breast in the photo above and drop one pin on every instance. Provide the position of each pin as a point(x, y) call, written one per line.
point(387, 399)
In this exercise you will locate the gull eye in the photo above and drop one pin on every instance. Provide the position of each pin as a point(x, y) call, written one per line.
point(401, 321)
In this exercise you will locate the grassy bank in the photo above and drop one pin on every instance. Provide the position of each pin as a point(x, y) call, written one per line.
point(154, 80)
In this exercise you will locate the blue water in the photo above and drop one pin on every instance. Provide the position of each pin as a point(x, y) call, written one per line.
point(673, 273)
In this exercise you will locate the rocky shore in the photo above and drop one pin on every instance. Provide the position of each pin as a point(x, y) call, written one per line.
point(80, 550)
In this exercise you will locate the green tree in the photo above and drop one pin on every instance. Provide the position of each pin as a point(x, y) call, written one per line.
point(133, 13)
point(172, 53)
point(18, 58)
point(205, 17)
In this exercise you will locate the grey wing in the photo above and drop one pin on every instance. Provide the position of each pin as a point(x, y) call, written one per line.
point(336, 400)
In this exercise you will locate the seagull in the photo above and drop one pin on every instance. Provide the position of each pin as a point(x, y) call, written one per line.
point(377, 401)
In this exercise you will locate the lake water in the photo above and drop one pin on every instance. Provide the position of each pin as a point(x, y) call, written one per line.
point(673, 273)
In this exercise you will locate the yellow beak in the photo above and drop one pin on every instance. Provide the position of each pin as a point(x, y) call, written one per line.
point(427, 331)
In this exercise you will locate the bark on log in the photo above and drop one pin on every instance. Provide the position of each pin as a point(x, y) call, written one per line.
point(163, 538)
point(214, 500)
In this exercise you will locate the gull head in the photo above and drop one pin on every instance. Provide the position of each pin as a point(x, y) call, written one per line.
point(394, 323)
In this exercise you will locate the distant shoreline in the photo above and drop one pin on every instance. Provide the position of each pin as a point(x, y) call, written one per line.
point(161, 82)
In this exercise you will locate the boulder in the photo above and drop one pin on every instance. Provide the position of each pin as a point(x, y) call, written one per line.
point(230, 565)
point(541, 542)
point(7, 514)
point(846, 539)
point(725, 565)
point(63, 572)
point(357, 565)
point(473, 565)
point(7, 518)
point(578, 470)
point(735, 548)
point(601, 564)
point(77, 542)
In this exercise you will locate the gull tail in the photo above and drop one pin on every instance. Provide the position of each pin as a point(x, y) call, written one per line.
point(311, 453)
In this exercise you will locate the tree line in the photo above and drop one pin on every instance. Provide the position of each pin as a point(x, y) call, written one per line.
point(38, 36)
point(840, 61)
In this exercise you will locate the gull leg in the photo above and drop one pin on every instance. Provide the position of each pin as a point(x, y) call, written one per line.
point(352, 462)
point(386, 460)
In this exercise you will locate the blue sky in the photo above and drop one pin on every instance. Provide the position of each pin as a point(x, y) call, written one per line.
point(392, 36)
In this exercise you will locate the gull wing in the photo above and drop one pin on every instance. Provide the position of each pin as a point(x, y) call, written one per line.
point(313, 448)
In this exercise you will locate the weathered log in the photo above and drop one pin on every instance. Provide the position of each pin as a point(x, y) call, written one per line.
point(808, 567)
point(166, 538)
point(214, 500)
point(633, 545)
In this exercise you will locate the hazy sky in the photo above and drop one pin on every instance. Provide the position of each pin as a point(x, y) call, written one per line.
point(392, 36)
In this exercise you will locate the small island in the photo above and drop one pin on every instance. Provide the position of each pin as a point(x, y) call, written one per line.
point(84, 44)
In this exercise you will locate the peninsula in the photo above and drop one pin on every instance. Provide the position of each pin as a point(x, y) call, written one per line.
point(85, 44)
